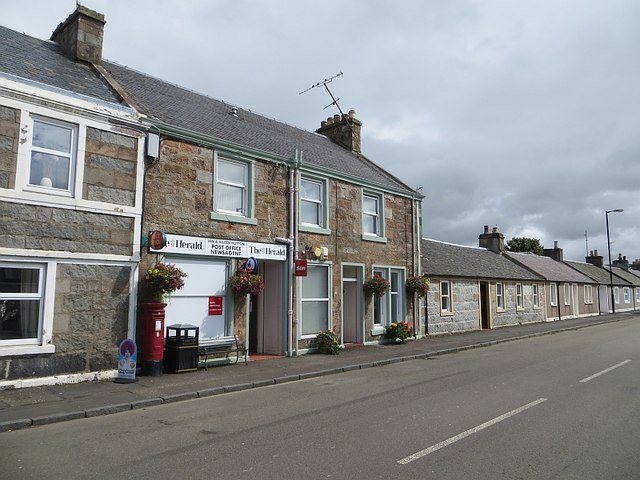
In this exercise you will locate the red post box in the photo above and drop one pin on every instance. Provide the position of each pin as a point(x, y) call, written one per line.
point(152, 337)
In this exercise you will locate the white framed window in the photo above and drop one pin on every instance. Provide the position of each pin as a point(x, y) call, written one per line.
point(519, 297)
point(626, 294)
point(26, 307)
point(588, 294)
point(373, 216)
point(553, 294)
point(52, 156)
point(315, 305)
point(233, 190)
point(536, 295)
point(446, 305)
point(637, 289)
point(567, 294)
point(314, 211)
point(616, 295)
point(500, 296)
point(390, 307)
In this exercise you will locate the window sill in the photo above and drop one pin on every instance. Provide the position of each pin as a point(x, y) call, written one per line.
point(314, 229)
point(8, 351)
point(373, 238)
point(446, 313)
point(378, 330)
point(233, 218)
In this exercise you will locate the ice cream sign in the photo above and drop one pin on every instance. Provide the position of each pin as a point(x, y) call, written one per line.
point(217, 247)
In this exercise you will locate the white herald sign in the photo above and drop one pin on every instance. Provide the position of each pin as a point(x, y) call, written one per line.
point(217, 247)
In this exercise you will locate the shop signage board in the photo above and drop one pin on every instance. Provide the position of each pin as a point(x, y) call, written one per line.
point(301, 268)
point(127, 360)
point(215, 305)
point(217, 247)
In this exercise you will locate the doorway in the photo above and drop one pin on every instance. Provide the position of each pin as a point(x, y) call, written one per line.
point(266, 312)
point(351, 304)
point(485, 311)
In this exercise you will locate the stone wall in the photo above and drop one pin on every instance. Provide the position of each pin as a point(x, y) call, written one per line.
point(90, 319)
point(512, 315)
point(465, 298)
point(9, 129)
point(44, 228)
point(110, 168)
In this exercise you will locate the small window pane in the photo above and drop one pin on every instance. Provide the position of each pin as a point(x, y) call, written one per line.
point(19, 319)
point(310, 190)
point(315, 284)
point(230, 199)
point(370, 205)
point(315, 316)
point(19, 280)
point(232, 172)
point(310, 213)
point(49, 170)
point(52, 137)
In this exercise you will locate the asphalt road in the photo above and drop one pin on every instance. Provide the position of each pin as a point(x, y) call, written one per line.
point(563, 406)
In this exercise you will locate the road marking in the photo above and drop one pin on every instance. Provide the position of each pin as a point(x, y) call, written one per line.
point(471, 431)
point(585, 380)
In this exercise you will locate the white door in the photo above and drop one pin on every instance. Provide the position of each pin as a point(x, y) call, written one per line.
point(351, 287)
point(574, 300)
point(190, 304)
point(272, 323)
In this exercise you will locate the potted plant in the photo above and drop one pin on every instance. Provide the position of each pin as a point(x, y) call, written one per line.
point(377, 286)
point(244, 282)
point(327, 342)
point(418, 285)
point(162, 280)
point(398, 331)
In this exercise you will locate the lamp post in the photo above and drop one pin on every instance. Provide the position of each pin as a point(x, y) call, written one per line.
point(606, 215)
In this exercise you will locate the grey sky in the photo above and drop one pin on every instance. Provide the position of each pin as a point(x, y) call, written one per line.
point(521, 114)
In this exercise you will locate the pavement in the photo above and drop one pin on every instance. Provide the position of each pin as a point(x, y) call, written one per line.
point(34, 406)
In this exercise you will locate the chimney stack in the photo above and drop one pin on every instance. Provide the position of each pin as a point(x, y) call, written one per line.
point(556, 253)
point(621, 262)
point(81, 35)
point(493, 241)
point(595, 259)
point(344, 130)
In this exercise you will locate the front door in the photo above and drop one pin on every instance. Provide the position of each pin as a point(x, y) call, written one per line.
point(267, 312)
point(351, 318)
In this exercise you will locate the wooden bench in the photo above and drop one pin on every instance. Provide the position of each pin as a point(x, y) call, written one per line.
point(221, 345)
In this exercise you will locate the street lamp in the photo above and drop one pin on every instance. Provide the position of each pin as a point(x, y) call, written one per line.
point(606, 215)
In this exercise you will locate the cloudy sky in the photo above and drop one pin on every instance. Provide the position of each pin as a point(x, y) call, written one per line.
point(521, 114)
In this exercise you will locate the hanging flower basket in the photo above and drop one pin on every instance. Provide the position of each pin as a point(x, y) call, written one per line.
point(418, 285)
point(377, 286)
point(163, 279)
point(244, 282)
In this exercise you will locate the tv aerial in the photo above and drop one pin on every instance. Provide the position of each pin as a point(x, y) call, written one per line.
point(325, 83)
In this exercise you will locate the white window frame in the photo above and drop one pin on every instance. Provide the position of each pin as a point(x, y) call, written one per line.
point(567, 293)
point(32, 150)
point(553, 294)
point(637, 289)
point(588, 294)
point(500, 305)
point(446, 303)
point(322, 205)
point(41, 344)
point(626, 294)
point(327, 300)
point(536, 295)
point(247, 211)
point(616, 295)
point(519, 296)
point(384, 304)
point(379, 234)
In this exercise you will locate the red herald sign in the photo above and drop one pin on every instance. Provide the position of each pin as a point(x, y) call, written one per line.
point(301, 268)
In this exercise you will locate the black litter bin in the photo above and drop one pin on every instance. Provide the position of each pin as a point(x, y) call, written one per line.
point(181, 348)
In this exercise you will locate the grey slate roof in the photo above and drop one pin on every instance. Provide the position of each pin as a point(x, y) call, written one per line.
point(625, 276)
point(183, 108)
point(600, 275)
point(449, 260)
point(548, 268)
point(44, 62)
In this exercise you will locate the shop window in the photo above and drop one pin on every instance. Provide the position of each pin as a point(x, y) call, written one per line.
point(315, 300)
point(389, 308)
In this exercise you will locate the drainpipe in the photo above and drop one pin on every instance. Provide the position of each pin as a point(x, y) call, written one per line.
point(295, 222)
point(290, 259)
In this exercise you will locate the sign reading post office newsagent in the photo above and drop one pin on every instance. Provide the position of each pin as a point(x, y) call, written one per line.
point(217, 247)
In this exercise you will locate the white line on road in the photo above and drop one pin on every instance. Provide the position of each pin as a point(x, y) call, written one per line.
point(585, 380)
point(471, 431)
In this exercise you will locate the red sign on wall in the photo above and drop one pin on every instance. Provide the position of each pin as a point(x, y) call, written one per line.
point(301, 268)
point(215, 305)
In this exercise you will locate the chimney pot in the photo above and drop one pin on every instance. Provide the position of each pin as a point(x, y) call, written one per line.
point(352, 114)
point(555, 244)
point(486, 229)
